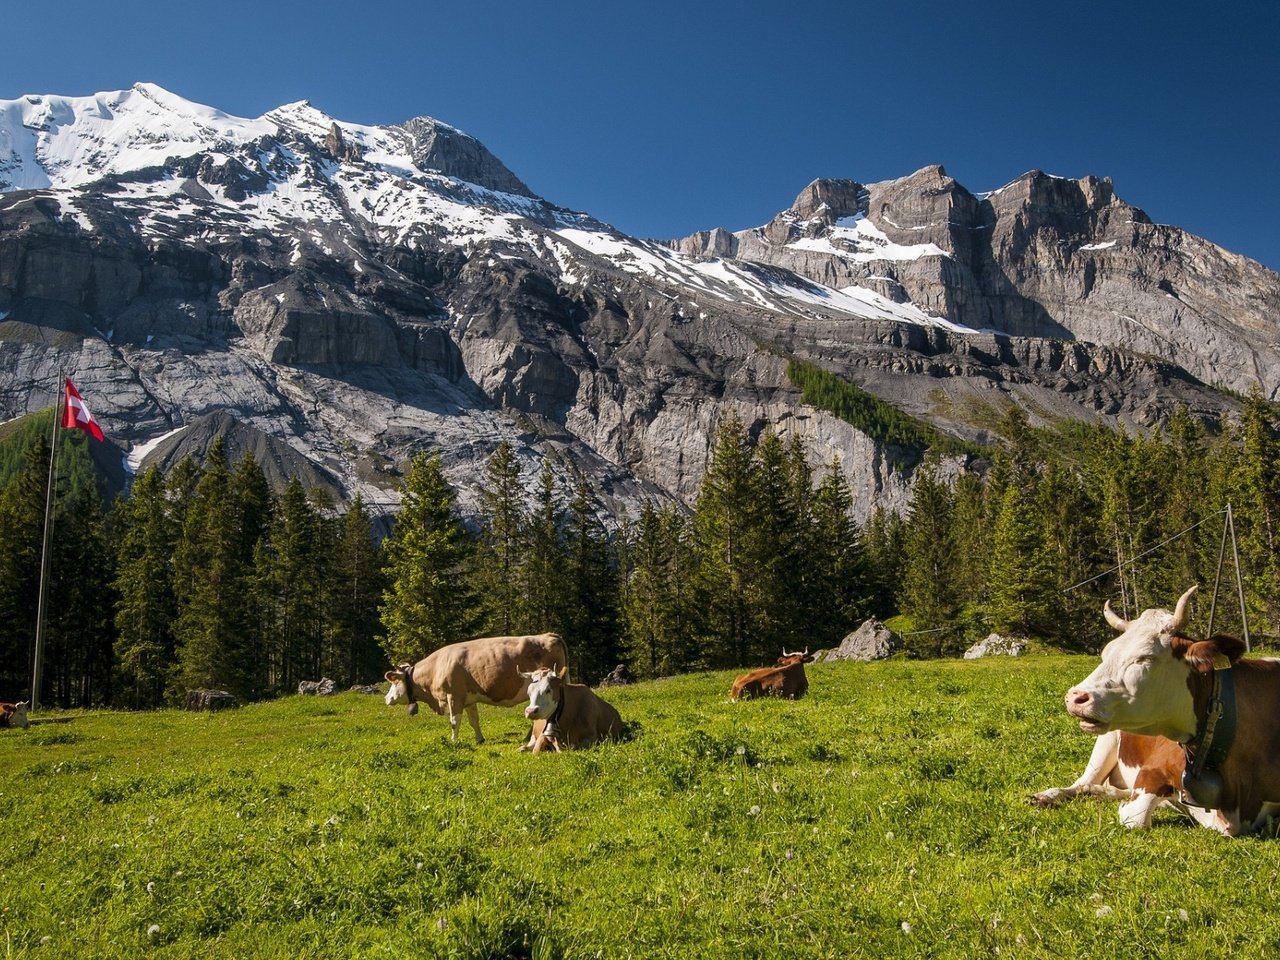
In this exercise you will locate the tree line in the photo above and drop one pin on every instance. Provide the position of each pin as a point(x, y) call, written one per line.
point(205, 577)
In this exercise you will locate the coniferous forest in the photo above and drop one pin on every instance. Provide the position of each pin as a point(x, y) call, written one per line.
point(206, 577)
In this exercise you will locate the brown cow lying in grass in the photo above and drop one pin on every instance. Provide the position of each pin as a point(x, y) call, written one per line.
point(566, 714)
point(785, 680)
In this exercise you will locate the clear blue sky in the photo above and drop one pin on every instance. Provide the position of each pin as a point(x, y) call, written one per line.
point(669, 116)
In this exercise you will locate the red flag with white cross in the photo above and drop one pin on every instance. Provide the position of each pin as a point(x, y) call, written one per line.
point(75, 415)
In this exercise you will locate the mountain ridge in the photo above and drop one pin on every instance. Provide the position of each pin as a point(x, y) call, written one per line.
point(323, 283)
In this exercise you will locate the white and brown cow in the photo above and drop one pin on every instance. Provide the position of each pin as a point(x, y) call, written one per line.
point(456, 677)
point(785, 680)
point(1156, 682)
point(1145, 773)
point(14, 715)
point(566, 714)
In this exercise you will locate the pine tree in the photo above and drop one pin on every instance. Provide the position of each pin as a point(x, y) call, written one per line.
point(928, 591)
point(22, 506)
point(428, 601)
point(292, 573)
point(503, 544)
point(591, 621)
point(883, 541)
point(1023, 585)
point(726, 518)
point(843, 589)
point(658, 627)
point(210, 587)
point(355, 589)
point(145, 538)
point(545, 565)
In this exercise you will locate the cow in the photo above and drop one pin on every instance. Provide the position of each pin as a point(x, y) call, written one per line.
point(785, 680)
point(14, 715)
point(1155, 681)
point(460, 675)
point(1143, 772)
point(566, 714)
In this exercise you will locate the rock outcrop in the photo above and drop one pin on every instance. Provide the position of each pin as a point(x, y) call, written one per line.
point(994, 645)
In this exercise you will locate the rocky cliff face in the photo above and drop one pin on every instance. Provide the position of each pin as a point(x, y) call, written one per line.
point(335, 297)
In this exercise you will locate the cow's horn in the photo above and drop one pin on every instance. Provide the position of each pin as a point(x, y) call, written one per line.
point(1117, 622)
point(1182, 612)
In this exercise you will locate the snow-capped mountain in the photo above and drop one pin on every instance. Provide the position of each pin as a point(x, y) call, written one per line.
point(353, 293)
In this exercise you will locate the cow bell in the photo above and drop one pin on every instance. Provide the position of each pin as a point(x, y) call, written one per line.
point(1204, 790)
point(413, 709)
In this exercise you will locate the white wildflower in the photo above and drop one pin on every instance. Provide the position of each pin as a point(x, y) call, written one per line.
point(754, 811)
point(1183, 915)
point(153, 930)
point(1103, 911)
point(906, 927)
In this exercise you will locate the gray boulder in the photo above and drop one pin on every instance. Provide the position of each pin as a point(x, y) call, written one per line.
point(209, 700)
point(996, 646)
point(871, 641)
point(317, 688)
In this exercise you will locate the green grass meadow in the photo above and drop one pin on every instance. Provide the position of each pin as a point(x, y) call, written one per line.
point(884, 815)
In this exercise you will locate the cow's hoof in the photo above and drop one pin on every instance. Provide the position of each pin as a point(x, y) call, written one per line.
point(1046, 798)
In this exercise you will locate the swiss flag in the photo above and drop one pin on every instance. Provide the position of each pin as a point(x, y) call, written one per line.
point(76, 414)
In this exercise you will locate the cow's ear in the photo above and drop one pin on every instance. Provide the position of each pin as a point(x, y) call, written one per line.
point(1201, 654)
point(394, 676)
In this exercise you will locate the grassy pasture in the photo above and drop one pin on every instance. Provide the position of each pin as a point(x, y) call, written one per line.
point(884, 815)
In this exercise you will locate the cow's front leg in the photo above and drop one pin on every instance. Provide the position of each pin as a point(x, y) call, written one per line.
point(474, 716)
point(1093, 782)
point(1136, 813)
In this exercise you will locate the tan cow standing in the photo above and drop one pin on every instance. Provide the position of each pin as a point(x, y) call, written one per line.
point(566, 714)
point(456, 677)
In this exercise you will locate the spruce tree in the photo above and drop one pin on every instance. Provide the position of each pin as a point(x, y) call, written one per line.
point(354, 591)
point(145, 538)
point(842, 593)
point(428, 601)
point(928, 590)
point(1023, 585)
point(591, 620)
point(546, 562)
point(726, 518)
point(503, 543)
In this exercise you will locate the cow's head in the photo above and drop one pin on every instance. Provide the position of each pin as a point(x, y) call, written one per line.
point(400, 679)
point(791, 659)
point(546, 687)
point(1144, 682)
point(19, 718)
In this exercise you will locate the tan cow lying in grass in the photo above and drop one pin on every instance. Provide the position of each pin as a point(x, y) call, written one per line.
point(14, 715)
point(566, 714)
point(456, 677)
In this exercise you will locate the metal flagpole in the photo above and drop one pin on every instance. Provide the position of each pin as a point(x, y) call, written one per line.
point(44, 550)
